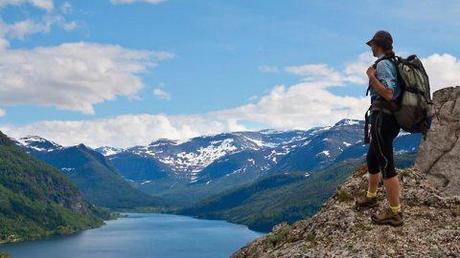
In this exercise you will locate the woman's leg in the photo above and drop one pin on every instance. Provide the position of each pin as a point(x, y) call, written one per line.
point(391, 179)
point(368, 199)
point(393, 190)
point(388, 130)
point(373, 182)
point(372, 158)
point(373, 169)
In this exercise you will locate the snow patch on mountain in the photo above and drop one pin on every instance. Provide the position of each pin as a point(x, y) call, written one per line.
point(109, 151)
point(325, 153)
point(260, 143)
point(38, 143)
point(348, 122)
point(275, 154)
point(146, 182)
point(197, 160)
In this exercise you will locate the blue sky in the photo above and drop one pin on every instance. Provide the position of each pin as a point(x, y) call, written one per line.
point(227, 65)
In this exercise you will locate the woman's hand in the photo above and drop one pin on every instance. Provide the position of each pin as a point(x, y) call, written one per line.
point(381, 89)
point(370, 72)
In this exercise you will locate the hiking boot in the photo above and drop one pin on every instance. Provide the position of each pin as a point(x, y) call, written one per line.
point(365, 202)
point(388, 217)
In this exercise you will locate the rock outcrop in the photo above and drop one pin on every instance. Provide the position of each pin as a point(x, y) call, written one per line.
point(431, 206)
point(439, 154)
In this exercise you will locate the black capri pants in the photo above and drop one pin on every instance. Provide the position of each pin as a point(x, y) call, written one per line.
point(384, 130)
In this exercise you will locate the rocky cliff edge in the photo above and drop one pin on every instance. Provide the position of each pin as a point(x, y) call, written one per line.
point(431, 206)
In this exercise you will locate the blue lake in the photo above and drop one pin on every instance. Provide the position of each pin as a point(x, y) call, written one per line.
point(142, 236)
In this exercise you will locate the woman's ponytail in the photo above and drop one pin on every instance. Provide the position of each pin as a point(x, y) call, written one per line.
point(389, 52)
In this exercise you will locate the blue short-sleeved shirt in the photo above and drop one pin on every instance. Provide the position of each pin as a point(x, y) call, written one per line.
point(388, 76)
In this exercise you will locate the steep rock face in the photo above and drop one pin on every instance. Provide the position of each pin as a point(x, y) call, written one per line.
point(431, 206)
point(439, 154)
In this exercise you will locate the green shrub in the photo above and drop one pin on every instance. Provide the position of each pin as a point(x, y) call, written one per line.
point(311, 237)
point(279, 235)
point(343, 195)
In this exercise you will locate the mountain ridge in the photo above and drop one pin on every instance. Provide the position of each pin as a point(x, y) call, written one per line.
point(98, 180)
point(183, 172)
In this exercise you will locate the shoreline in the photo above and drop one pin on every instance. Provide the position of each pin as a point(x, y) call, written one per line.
point(124, 214)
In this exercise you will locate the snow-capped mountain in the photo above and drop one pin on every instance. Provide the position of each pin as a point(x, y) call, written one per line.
point(38, 143)
point(260, 150)
point(185, 171)
point(204, 158)
point(108, 150)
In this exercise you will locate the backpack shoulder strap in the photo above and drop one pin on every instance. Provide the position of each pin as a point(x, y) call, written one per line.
point(392, 58)
point(378, 61)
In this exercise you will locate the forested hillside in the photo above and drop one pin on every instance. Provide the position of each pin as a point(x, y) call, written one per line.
point(36, 200)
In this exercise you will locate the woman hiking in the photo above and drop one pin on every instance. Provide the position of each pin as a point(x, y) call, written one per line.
point(384, 89)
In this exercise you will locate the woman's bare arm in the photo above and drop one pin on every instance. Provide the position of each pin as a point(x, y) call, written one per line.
point(383, 91)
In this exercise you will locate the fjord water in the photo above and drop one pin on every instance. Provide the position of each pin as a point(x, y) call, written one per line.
point(142, 236)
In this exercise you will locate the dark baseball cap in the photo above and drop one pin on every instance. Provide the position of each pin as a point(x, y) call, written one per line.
point(383, 39)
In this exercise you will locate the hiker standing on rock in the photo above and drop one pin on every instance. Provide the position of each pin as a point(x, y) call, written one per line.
point(384, 88)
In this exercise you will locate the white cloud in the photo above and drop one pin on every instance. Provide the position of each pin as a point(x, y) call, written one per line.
point(71, 76)
point(353, 72)
point(2, 112)
point(302, 105)
point(161, 93)
point(443, 70)
point(27, 27)
point(66, 7)
point(316, 72)
point(43, 4)
point(123, 131)
point(136, 1)
point(268, 69)
point(68, 26)
point(299, 106)
point(163, 55)
point(23, 28)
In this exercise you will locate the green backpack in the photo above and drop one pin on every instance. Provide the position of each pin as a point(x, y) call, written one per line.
point(413, 108)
